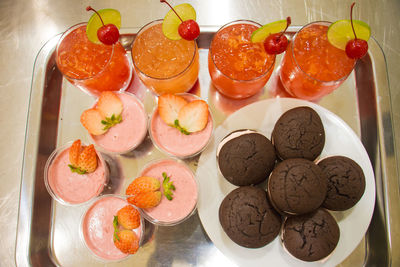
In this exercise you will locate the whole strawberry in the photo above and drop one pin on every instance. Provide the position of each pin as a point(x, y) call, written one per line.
point(83, 159)
point(128, 217)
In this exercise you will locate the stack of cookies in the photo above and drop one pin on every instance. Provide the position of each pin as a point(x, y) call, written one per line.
point(299, 188)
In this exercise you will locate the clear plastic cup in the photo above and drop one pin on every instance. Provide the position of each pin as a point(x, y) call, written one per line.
point(172, 142)
point(128, 134)
point(184, 198)
point(70, 188)
point(97, 230)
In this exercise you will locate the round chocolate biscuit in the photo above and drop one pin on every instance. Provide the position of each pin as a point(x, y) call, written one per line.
point(311, 237)
point(297, 186)
point(346, 182)
point(248, 218)
point(299, 133)
point(246, 157)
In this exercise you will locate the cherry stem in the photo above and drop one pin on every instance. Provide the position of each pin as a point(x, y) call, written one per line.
point(351, 19)
point(289, 21)
point(89, 8)
point(163, 1)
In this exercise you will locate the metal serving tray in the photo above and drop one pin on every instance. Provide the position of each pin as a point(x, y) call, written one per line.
point(48, 233)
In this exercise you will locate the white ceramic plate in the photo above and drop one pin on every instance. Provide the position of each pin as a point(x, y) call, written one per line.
point(340, 140)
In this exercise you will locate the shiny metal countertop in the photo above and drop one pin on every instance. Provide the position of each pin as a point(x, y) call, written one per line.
point(27, 25)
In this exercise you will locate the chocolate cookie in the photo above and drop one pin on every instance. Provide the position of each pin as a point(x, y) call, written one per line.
point(246, 157)
point(311, 237)
point(248, 218)
point(297, 186)
point(299, 133)
point(346, 182)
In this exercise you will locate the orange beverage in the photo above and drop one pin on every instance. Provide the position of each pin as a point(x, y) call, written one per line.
point(238, 67)
point(92, 67)
point(312, 67)
point(164, 65)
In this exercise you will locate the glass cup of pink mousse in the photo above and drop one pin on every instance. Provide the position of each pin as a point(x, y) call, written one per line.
point(71, 188)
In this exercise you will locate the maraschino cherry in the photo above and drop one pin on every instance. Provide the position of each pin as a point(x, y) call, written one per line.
point(277, 43)
point(356, 48)
point(107, 34)
point(188, 29)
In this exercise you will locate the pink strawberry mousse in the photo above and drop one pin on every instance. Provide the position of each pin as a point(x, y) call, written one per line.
point(173, 142)
point(128, 134)
point(70, 187)
point(184, 199)
point(98, 229)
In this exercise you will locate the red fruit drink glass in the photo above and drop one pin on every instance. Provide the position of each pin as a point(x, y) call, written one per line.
point(92, 67)
point(311, 67)
point(238, 67)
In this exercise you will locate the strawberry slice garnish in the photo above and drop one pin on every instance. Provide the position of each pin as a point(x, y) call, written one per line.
point(144, 192)
point(105, 115)
point(146, 200)
point(128, 217)
point(109, 104)
point(169, 106)
point(83, 159)
point(125, 240)
point(193, 117)
point(74, 152)
point(91, 119)
point(87, 161)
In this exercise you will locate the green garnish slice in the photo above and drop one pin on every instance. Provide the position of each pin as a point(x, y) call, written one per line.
point(171, 21)
point(180, 128)
point(116, 230)
point(263, 32)
point(109, 16)
point(110, 122)
point(340, 32)
point(168, 186)
point(76, 169)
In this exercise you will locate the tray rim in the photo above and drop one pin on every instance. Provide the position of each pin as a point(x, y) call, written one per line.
point(386, 144)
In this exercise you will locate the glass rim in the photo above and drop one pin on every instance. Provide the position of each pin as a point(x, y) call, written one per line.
point(169, 153)
point(325, 23)
point(145, 27)
point(64, 34)
point(50, 160)
point(246, 21)
point(131, 148)
point(83, 216)
point(182, 163)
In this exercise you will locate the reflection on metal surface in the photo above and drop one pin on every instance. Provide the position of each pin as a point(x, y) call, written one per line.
point(53, 121)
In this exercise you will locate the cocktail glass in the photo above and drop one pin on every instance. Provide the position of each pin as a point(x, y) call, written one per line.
point(92, 67)
point(311, 67)
point(163, 65)
point(238, 67)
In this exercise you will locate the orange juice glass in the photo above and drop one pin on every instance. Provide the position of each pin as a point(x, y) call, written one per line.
point(92, 67)
point(311, 67)
point(164, 65)
point(238, 67)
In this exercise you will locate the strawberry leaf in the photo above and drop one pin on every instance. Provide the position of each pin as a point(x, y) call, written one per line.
point(111, 121)
point(115, 224)
point(181, 129)
point(76, 169)
point(168, 186)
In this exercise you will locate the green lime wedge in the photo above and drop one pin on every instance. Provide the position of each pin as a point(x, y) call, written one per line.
point(109, 16)
point(340, 32)
point(171, 21)
point(263, 32)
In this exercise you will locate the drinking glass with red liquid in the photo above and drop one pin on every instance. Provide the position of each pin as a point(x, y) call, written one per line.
point(238, 67)
point(311, 67)
point(93, 68)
